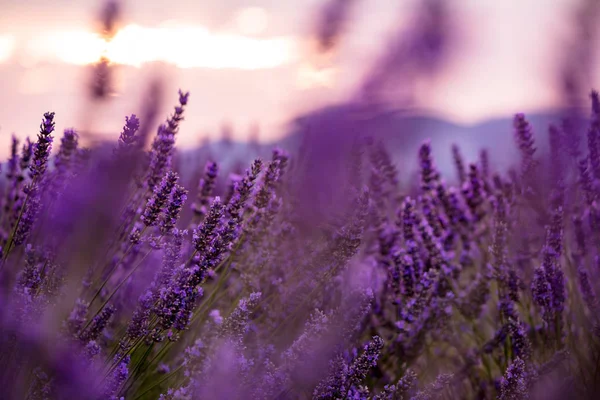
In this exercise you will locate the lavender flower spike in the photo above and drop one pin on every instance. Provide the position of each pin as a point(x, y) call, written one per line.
point(203, 236)
point(127, 139)
point(205, 189)
point(155, 204)
point(28, 216)
point(178, 197)
point(513, 385)
point(525, 141)
point(97, 325)
point(594, 151)
point(160, 157)
point(595, 107)
point(65, 156)
point(42, 147)
point(429, 173)
point(459, 163)
point(26, 154)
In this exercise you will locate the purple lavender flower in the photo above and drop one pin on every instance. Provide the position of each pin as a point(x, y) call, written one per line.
point(41, 387)
point(42, 147)
point(412, 269)
point(156, 203)
point(178, 197)
point(173, 121)
point(183, 97)
point(68, 148)
point(514, 382)
point(205, 189)
point(347, 376)
point(117, 378)
point(348, 238)
point(499, 337)
point(127, 139)
point(404, 275)
point(393, 263)
point(77, 317)
point(474, 193)
point(587, 290)
point(548, 285)
point(268, 185)
point(236, 325)
point(282, 157)
point(414, 54)
point(28, 215)
point(520, 342)
point(400, 389)
point(504, 272)
point(26, 154)
point(13, 177)
point(433, 390)
point(164, 143)
point(525, 142)
point(204, 235)
point(435, 256)
point(13, 162)
point(595, 106)
point(331, 23)
point(557, 144)
point(432, 214)
point(64, 159)
point(176, 301)
point(429, 173)
point(477, 295)
point(92, 349)
point(30, 278)
point(140, 321)
point(234, 179)
point(100, 321)
point(541, 290)
point(243, 189)
point(594, 153)
point(408, 220)
point(160, 156)
point(173, 250)
point(459, 163)
point(484, 158)
point(586, 182)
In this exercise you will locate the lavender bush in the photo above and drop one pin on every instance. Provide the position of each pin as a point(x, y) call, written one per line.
point(114, 285)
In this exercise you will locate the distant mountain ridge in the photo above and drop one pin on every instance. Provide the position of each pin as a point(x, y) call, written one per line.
point(333, 128)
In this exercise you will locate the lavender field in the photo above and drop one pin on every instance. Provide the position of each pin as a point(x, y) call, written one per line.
point(364, 256)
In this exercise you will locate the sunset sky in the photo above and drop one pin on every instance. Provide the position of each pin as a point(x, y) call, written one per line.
point(250, 62)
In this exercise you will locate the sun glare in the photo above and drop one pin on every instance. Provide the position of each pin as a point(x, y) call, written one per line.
point(183, 46)
point(7, 45)
point(71, 47)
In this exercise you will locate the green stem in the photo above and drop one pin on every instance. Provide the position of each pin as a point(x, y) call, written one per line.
point(10, 242)
point(159, 382)
point(131, 379)
point(133, 270)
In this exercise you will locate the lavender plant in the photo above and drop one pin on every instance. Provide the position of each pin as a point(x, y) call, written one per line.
point(113, 286)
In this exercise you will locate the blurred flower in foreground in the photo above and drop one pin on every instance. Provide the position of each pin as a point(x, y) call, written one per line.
point(101, 72)
point(418, 52)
